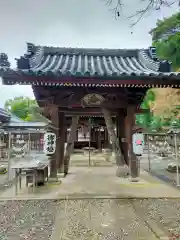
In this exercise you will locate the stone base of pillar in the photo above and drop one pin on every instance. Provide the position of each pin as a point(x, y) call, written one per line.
point(61, 169)
point(60, 174)
point(134, 166)
point(66, 166)
point(53, 179)
point(136, 179)
point(122, 171)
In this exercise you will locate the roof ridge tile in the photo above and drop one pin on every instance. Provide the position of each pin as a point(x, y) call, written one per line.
point(90, 62)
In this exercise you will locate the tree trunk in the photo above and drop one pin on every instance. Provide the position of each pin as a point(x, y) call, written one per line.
point(70, 143)
point(122, 167)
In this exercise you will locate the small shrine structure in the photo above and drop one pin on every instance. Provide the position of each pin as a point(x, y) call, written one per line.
point(72, 83)
point(14, 130)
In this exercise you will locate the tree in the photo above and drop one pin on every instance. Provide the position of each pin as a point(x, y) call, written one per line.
point(148, 103)
point(167, 103)
point(4, 63)
point(166, 39)
point(24, 108)
point(170, 50)
point(156, 124)
point(149, 5)
point(165, 27)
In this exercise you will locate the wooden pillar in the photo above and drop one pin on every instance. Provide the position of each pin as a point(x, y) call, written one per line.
point(77, 133)
point(133, 163)
point(60, 163)
point(121, 133)
point(70, 143)
point(54, 157)
point(99, 139)
point(93, 135)
point(106, 138)
point(113, 137)
point(122, 169)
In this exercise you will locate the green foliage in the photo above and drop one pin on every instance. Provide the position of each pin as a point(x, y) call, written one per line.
point(169, 49)
point(146, 119)
point(24, 108)
point(163, 26)
point(149, 99)
point(149, 121)
point(143, 120)
point(175, 124)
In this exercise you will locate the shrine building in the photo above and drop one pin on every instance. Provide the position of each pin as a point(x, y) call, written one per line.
point(78, 83)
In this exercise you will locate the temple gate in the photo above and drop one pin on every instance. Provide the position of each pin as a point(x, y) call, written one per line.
point(73, 83)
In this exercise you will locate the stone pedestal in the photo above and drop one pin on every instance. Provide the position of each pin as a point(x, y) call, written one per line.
point(122, 171)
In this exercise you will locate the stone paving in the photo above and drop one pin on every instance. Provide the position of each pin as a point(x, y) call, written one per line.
point(100, 220)
point(92, 203)
point(84, 182)
point(98, 159)
point(103, 182)
point(118, 219)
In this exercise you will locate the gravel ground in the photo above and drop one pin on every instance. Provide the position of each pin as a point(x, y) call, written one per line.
point(164, 212)
point(30, 220)
point(87, 219)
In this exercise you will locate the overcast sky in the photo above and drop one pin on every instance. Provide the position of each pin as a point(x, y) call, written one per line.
point(73, 23)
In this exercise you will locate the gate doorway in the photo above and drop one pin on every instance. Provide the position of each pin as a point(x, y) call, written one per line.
point(92, 147)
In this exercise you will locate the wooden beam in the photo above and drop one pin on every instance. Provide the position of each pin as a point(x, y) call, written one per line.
point(64, 97)
point(142, 111)
point(10, 78)
point(93, 111)
point(81, 110)
point(107, 103)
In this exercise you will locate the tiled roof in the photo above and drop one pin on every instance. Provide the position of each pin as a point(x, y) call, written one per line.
point(26, 124)
point(79, 62)
point(4, 114)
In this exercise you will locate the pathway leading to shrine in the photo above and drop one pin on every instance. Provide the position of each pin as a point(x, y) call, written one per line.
point(96, 182)
point(92, 203)
point(100, 220)
point(101, 182)
point(94, 208)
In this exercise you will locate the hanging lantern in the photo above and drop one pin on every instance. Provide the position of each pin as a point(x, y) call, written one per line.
point(138, 143)
point(49, 143)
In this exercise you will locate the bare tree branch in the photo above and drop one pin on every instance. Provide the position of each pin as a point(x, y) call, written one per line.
point(118, 7)
point(152, 5)
point(140, 14)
